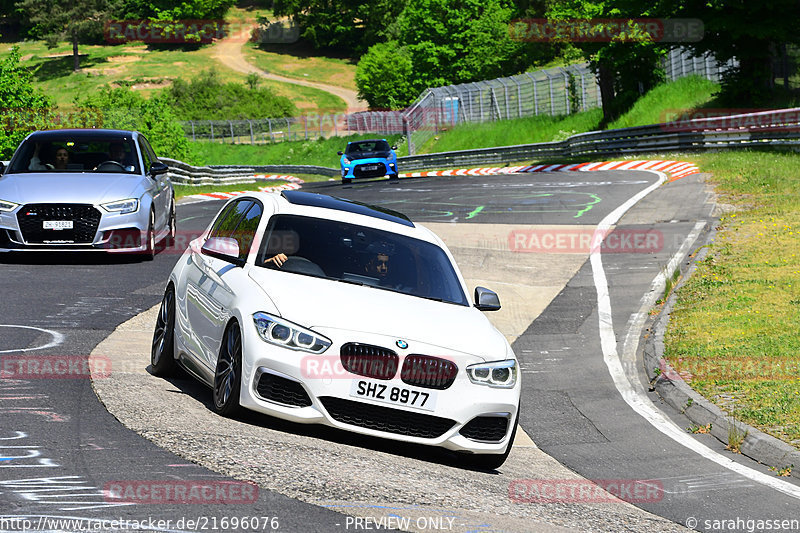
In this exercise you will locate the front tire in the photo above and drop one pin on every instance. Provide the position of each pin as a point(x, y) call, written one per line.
point(162, 352)
point(228, 374)
point(150, 239)
point(173, 226)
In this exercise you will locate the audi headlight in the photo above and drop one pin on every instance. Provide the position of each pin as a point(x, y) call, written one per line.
point(7, 206)
point(281, 332)
point(501, 374)
point(130, 205)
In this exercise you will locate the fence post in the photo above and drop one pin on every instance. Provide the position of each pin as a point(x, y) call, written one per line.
point(192, 123)
point(552, 100)
point(519, 99)
point(212, 130)
point(252, 139)
point(271, 136)
point(407, 133)
point(305, 121)
point(288, 130)
point(230, 123)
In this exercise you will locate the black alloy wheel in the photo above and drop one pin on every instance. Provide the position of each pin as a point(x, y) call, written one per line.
point(228, 374)
point(162, 352)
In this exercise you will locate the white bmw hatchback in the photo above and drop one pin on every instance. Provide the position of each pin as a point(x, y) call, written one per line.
point(316, 309)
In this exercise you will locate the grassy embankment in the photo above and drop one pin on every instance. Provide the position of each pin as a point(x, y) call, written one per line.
point(733, 333)
point(148, 69)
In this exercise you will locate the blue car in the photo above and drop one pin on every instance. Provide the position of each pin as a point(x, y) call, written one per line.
point(371, 158)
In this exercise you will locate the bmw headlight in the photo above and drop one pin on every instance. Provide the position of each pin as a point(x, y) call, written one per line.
point(7, 206)
point(130, 205)
point(501, 374)
point(281, 332)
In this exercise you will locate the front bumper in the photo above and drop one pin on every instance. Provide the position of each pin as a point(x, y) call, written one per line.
point(369, 168)
point(114, 232)
point(308, 388)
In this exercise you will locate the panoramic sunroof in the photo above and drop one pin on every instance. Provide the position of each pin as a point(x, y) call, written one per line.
point(341, 204)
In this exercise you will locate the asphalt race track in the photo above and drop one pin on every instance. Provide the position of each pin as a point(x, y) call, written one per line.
point(585, 402)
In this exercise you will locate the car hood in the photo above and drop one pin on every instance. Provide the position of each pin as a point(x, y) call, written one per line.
point(368, 155)
point(50, 187)
point(321, 303)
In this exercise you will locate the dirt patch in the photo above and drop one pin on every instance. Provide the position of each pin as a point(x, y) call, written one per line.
point(123, 59)
point(152, 85)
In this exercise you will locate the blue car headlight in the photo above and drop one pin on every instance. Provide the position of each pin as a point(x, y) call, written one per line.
point(500, 374)
point(283, 333)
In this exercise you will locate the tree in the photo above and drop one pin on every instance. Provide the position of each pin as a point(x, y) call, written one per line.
point(25, 108)
point(441, 42)
point(55, 20)
point(169, 10)
point(122, 108)
point(351, 26)
point(626, 66)
point(382, 87)
point(750, 32)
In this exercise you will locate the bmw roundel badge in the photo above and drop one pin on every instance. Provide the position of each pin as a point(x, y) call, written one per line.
point(402, 344)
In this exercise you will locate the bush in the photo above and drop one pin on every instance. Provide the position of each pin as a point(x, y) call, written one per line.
point(382, 76)
point(124, 109)
point(25, 109)
point(206, 97)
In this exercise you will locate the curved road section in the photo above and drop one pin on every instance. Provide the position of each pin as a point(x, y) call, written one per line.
point(571, 306)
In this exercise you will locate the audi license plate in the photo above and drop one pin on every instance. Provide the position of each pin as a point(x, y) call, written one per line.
point(394, 394)
point(57, 224)
point(370, 167)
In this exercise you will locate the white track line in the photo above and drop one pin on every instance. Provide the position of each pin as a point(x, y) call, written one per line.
point(57, 338)
point(635, 396)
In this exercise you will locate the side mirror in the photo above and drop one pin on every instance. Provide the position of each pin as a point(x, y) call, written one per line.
point(157, 167)
point(2, 168)
point(486, 300)
point(225, 248)
point(394, 147)
point(340, 152)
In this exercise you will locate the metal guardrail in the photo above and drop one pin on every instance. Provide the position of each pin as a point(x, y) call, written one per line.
point(780, 128)
point(184, 174)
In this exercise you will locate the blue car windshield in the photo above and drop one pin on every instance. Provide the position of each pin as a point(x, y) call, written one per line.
point(360, 255)
point(359, 147)
point(102, 154)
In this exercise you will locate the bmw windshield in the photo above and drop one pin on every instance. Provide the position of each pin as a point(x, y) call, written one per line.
point(360, 255)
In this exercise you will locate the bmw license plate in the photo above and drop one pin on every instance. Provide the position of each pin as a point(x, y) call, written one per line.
point(394, 394)
point(370, 167)
point(57, 224)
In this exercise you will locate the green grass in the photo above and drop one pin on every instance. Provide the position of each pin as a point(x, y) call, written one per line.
point(662, 103)
point(541, 128)
point(667, 101)
point(320, 152)
point(294, 61)
point(146, 70)
point(734, 329)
